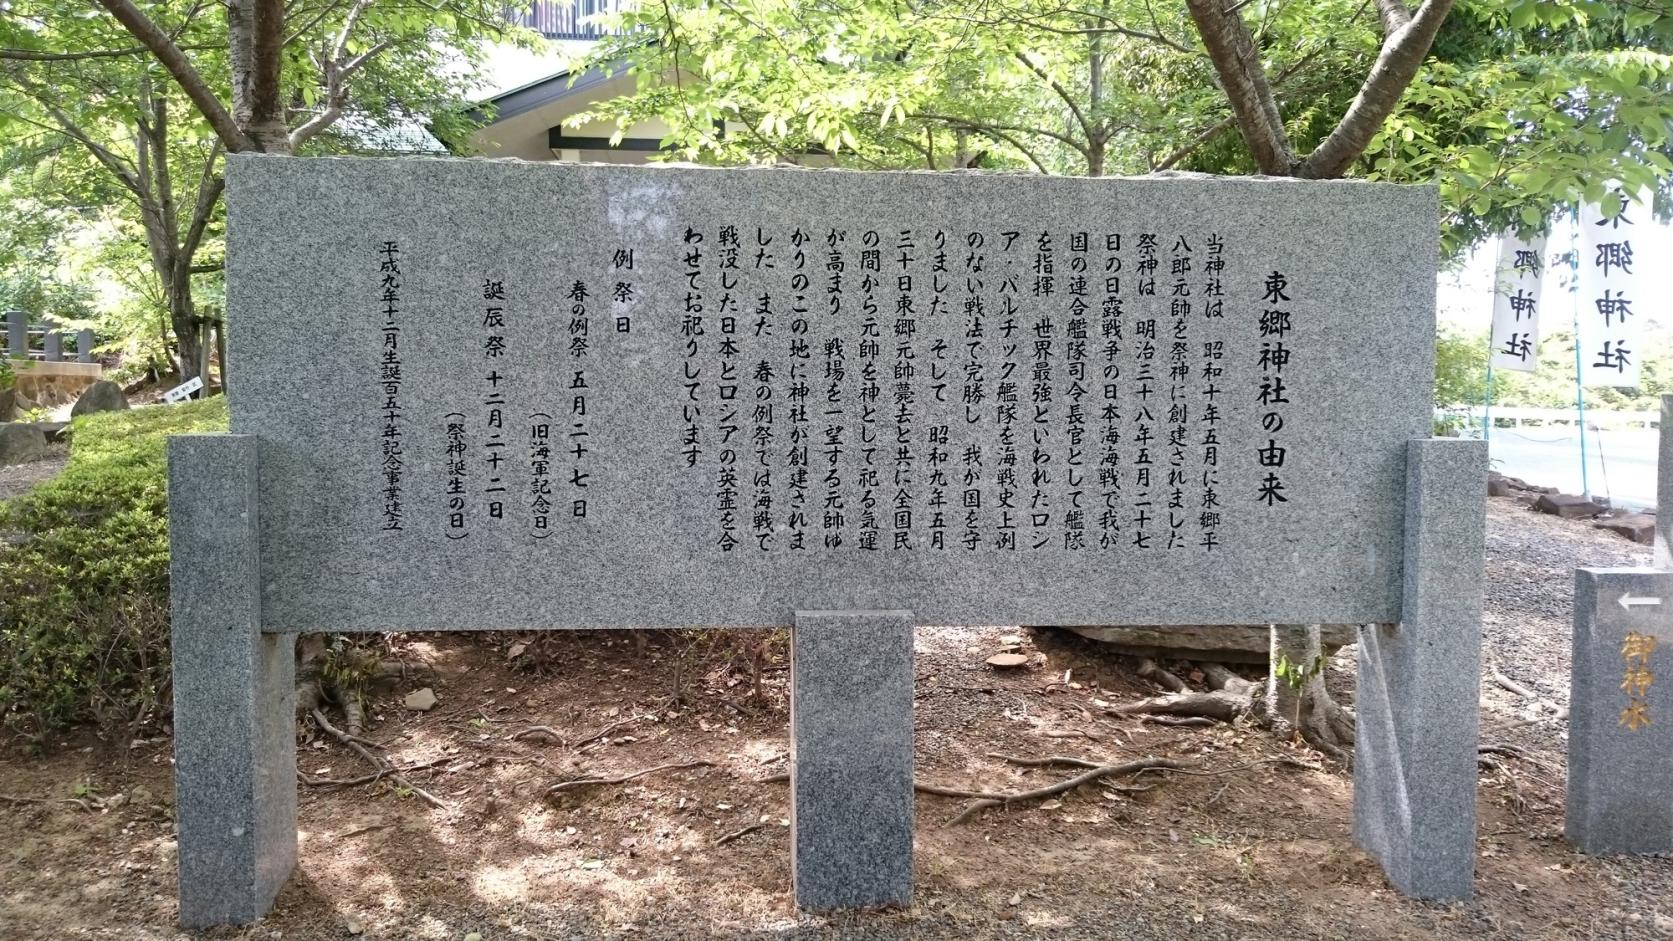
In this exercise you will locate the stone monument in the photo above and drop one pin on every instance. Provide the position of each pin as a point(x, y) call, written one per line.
point(1620, 750)
point(489, 395)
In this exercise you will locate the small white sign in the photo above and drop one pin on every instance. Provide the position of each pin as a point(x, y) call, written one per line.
point(184, 390)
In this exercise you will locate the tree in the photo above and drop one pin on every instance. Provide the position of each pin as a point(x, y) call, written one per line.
point(1521, 106)
point(132, 95)
point(1526, 106)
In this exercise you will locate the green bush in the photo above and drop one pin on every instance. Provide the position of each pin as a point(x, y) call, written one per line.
point(84, 624)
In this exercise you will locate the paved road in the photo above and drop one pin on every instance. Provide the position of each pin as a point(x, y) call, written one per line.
point(1621, 464)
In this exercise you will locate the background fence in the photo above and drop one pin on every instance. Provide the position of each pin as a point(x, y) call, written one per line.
point(42, 341)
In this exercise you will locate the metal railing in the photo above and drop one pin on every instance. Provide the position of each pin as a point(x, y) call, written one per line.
point(42, 341)
point(1512, 417)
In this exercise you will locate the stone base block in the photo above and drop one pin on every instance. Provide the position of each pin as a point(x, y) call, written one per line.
point(851, 758)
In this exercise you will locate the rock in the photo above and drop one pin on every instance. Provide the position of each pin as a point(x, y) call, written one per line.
point(8, 403)
point(422, 700)
point(54, 430)
point(1527, 499)
point(21, 443)
point(1567, 505)
point(1639, 527)
point(352, 925)
point(101, 396)
point(1498, 487)
point(1218, 643)
point(1007, 660)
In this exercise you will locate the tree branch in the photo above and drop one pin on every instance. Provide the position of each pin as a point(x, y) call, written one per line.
point(1232, 50)
point(1063, 93)
point(174, 60)
point(1395, 15)
point(31, 55)
point(1402, 55)
point(1200, 138)
point(210, 186)
point(256, 29)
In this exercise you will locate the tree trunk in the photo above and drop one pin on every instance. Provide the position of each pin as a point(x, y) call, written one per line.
point(1295, 655)
point(182, 316)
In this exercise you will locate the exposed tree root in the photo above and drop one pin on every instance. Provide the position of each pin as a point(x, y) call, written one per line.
point(377, 775)
point(602, 733)
point(736, 834)
point(383, 768)
point(1294, 704)
point(982, 800)
point(540, 731)
point(1093, 771)
point(623, 778)
point(79, 802)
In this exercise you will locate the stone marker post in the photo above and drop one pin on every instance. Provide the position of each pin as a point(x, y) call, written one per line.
point(234, 691)
point(17, 334)
point(1415, 751)
point(84, 346)
point(851, 758)
point(52, 344)
point(1620, 738)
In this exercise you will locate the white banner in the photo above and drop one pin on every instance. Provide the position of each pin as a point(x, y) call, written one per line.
point(1612, 285)
point(1516, 297)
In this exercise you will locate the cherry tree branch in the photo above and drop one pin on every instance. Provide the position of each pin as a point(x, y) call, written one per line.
point(1402, 54)
point(173, 58)
point(1242, 76)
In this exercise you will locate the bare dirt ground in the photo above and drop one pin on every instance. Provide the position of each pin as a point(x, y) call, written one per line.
point(1264, 852)
point(17, 478)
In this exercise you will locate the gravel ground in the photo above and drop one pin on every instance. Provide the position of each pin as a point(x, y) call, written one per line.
point(1528, 592)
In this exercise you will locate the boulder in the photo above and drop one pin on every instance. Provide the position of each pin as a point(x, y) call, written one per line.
point(1567, 505)
point(21, 443)
point(1218, 643)
point(101, 396)
point(8, 403)
point(54, 430)
point(1498, 487)
point(1639, 527)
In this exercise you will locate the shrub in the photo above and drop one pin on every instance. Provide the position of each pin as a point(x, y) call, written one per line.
point(84, 626)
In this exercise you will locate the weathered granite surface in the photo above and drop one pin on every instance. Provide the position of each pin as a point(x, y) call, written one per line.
point(306, 307)
point(234, 691)
point(851, 800)
point(1620, 742)
point(1418, 720)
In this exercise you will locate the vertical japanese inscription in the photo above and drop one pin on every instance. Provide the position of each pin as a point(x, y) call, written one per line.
point(889, 389)
point(392, 454)
point(580, 346)
point(1213, 369)
point(1273, 395)
point(1636, 679)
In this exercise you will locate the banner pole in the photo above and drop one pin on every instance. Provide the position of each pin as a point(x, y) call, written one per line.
point(1579, 387)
